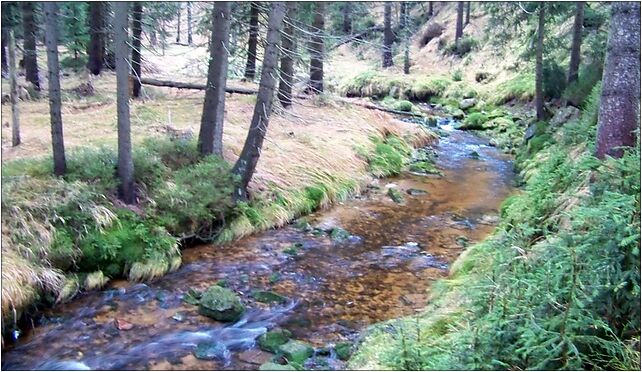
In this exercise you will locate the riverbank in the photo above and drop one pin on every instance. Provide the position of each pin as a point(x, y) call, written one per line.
point(534, 294)
point(63, 236)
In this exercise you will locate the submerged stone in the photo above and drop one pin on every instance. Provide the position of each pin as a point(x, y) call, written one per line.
point(271, 341)
point(339, 235)
point(395, 195)
point(192, 297)
point(474, 155)
point(268, 296)
point(270, 366)
point(221, 304)
point(211, 351)
point(416, 192)
point(296, 352)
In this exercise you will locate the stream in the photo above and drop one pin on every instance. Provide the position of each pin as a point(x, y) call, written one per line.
point(334, 289)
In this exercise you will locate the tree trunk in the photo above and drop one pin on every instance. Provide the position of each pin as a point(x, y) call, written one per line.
point(137, 31)
point(210, 137)
point(178, 27)
point(51, 39)
point(96, 50)
point(317, 50)
point(189, 23)
point(246, 164)
point(347, 17)
point(15, 114)
point(121, 47)
point(467, 21)
point(619, 115)
point(406, 52)
point(288, 48)
point(402, 15)
point(5, 40)
point(576, 45)
point(153, 39)
point(29, 44)
point(250, 65)
point(430, 11)
point(388, 37)
point(459, 31)
point(539, 69)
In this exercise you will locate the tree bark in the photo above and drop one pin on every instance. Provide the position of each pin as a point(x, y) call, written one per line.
point(317, 49)
point(430, 11)
point(51, 39)
point(15, 113)
point(96, 50)
point(388, 36)
point(250, 65)
point(539, 69)
point(467, 21)
point(288, 48)
point(246, 164)
point(347, 17)
point(459, 30)
point(29, 44)
point(189, 23)
point(402, 15)
point(137, 31)
point(5, 40)
point(576, 44)
point(406, 52)
point(210, 137)
point(178, 28)
point(121, 48)
point(619, 115)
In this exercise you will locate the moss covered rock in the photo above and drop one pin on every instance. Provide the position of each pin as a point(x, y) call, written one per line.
point(343, 350)
point(270, 366)
point(339, 235)
point(268, 297)
point(221, 304)
point(395, 195)
point(211, 351)
point(296, 352)
point(271, 341)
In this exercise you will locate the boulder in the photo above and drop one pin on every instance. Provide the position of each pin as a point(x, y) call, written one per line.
point(457, 114)
point(467, 103)
point(564, 114)
point(416, 192)
point(296, 352)
point(221, 304)
point(271, 341)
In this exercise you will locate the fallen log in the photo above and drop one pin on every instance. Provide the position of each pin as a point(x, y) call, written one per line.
point(238, 90)
point(182, 85)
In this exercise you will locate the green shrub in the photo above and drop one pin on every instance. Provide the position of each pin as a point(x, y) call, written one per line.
point(389, 156)
point(75, 64)
point(457, 75)
point(465, 45)
point(588, 76)
point(520, 88)
point(93, 165)
point(195, 199)
point(174, 153)
point(474, 121)
point(424, 89)
point(403, 106)
point(554, 79)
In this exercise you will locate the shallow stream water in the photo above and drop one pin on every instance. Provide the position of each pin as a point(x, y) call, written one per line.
point(334, 290)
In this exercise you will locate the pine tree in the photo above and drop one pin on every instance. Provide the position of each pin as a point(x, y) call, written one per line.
point(137, 31)
point(247, 161)
point(317, 49)
point(96, 47)
point(388, 36)
point(51, 39)
point(288, 49)
point(210, 137)
point(619, 115)
point(576, 44)
point(121, 46)
point(250, 65)
point(29, 44)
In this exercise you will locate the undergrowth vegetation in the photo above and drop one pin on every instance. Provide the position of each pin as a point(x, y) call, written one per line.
point(558, 284)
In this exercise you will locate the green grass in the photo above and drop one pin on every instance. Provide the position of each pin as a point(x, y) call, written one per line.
point(520, 88)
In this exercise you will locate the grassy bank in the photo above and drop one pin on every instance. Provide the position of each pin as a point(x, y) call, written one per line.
point(557, 286)
point(64, 235)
